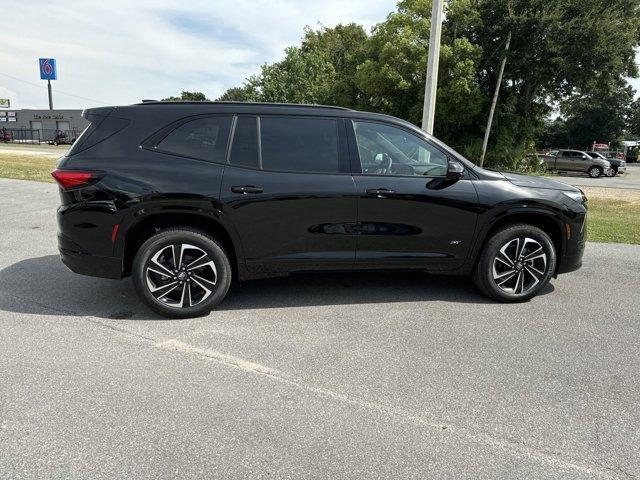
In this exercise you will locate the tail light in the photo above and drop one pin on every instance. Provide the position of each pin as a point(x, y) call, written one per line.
point(74, 178)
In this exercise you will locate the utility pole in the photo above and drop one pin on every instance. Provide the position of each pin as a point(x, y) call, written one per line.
point(430, 87)
point(485, 142)
point(50, 95)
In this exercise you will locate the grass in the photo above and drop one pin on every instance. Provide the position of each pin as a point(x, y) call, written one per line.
point(614, 214)
point(614, 219)
point(56, 149)
point(27, 167)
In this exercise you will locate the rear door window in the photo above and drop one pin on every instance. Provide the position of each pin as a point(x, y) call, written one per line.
point(244, 150)
point(300, 144)
point(203, 138)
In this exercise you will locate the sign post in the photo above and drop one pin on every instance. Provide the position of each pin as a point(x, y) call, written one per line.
point(48, 72)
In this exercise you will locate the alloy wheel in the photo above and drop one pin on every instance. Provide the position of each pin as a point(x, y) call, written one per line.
point(519, 265)
point(181, 275)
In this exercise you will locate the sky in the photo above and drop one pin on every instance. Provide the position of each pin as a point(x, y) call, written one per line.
point(120, 52)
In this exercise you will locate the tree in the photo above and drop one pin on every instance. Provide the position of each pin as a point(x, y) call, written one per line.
point(321, 70)
point(566, 56)
point(599, 116)
point(344, 47)
point(560, 48)
point(188, 96)
point(238, 94)
point(633, 121)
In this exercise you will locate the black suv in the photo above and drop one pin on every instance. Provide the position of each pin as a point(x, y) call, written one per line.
point(185, 197)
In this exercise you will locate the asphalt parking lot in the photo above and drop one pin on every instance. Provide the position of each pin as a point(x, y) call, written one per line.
point(328, 376)
point(629, 179)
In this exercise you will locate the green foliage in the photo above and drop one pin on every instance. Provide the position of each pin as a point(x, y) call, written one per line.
point(567, 56)
point(188, 96)
point(633, 121)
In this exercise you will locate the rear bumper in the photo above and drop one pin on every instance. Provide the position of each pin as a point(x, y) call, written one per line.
point(88, 264)
point(85, 264)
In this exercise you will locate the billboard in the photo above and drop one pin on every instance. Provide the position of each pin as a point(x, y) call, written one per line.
point(48, 69)
point(5, 103)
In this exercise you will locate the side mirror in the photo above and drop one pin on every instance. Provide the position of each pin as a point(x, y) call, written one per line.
point(455, 170)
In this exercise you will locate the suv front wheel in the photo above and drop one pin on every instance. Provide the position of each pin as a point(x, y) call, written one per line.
point(595, 172)
point(181, 272)
point(516, 263)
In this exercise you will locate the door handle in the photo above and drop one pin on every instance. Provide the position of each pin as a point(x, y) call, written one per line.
point(246, 189)
point(380, 192)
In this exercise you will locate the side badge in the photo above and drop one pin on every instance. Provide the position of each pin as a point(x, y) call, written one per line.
point(455, 242)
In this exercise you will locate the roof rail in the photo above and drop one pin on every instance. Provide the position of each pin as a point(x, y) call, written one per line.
point(187, 102)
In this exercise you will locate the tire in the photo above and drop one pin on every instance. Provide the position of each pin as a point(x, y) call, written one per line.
point(611, 172)
point(192, 289)
point(595, 172)
point(492, 276)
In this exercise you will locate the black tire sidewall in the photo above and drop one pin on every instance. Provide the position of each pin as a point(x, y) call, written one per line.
point(193, 237)
point(483, 275)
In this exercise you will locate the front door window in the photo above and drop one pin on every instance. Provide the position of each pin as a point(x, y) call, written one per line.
point(386, 150)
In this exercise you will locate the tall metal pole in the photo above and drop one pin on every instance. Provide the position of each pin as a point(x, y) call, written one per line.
point(487, 131)
point(50, 96)
point(430, 87)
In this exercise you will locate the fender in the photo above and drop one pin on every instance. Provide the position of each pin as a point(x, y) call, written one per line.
point(508, 212)
point(202, 208)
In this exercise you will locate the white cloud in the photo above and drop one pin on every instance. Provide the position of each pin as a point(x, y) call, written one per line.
point(119, 52)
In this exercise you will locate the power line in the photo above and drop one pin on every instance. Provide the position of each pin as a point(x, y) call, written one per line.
point(57, 91)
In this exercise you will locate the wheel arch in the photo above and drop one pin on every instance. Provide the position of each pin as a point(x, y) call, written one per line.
point(143, 229)
point(545, 221)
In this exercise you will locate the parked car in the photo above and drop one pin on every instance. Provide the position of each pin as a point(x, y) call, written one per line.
point(185, 197)
point(575, 161)
point(6, 136)
point(617, 165)
point(62, 138)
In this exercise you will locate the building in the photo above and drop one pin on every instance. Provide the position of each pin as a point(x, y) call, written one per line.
point(42, 125)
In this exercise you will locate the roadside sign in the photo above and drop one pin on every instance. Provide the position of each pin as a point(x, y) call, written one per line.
point(5, 103)
point(48, 69)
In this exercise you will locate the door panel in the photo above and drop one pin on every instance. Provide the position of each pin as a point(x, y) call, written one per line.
point(424, 223)
point(409, 214)
point(296, 208)
point(298, 221)
point(563, 161)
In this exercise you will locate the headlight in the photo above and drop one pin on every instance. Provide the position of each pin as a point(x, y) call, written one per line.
point(576, 196)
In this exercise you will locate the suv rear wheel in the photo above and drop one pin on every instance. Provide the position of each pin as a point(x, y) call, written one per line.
point(181, 272)
point(516, 263)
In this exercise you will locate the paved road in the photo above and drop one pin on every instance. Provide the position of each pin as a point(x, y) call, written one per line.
point(46, 150)
point(331, 376)
point(630, 179)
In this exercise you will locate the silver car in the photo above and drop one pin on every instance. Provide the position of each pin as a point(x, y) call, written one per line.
point(576, 161)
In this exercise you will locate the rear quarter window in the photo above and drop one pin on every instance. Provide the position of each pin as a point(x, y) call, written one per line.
point(202, 138)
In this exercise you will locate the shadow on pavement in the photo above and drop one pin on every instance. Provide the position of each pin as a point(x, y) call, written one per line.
point(44, 286)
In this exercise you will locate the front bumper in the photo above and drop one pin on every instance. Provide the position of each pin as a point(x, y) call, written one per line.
point(571, 259)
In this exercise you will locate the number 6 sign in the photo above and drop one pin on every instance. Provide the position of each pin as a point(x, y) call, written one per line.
point(48, 69)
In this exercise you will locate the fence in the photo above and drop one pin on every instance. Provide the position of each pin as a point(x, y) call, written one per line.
point(25, 135)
